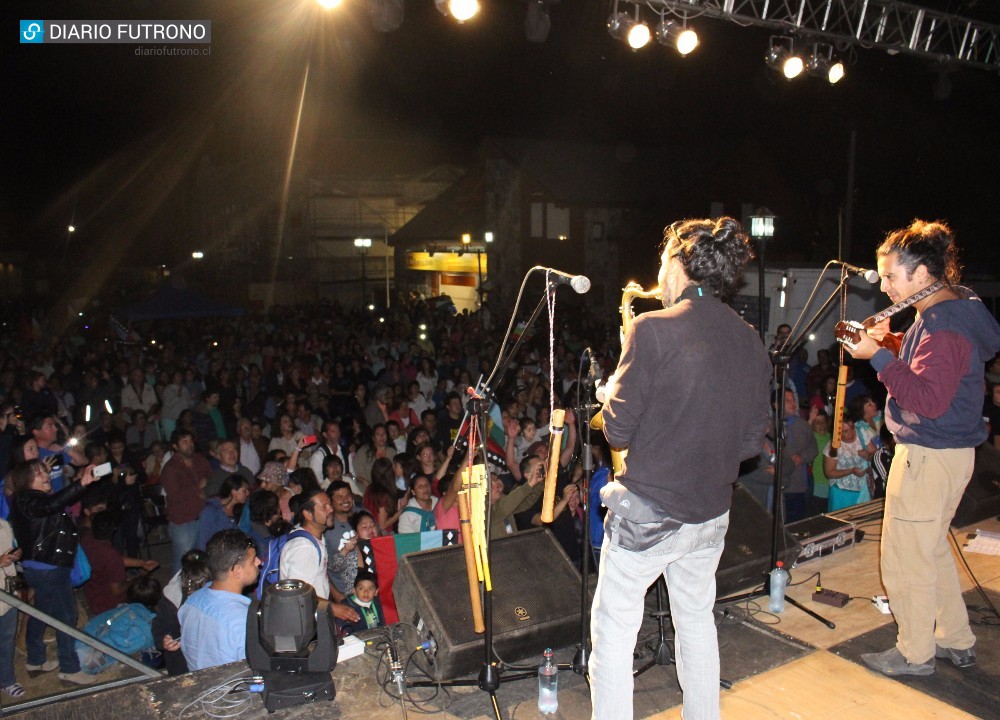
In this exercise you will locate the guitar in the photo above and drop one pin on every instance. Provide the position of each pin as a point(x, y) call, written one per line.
point(849, 333)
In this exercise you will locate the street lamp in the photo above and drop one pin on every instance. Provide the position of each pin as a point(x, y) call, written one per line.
point(761, 230)
point(363, 244)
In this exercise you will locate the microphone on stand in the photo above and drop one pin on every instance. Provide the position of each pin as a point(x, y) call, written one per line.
point(595, 368)
point(579, 283)
point(869, 275)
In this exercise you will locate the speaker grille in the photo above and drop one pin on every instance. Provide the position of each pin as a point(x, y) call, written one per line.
point(536, 600)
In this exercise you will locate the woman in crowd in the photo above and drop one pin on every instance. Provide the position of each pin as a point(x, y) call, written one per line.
point(418, 514)
point(427, 378)
point(847, 473)
point(427, 463)
point(47, 536)
point(867, 419)
point(286, 437)
point(8, 615)
point(377, 447)
point(194, 575)
point(381, 497)
point(223, 511)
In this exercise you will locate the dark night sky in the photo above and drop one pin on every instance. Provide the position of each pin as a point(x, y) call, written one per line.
point(84, 123)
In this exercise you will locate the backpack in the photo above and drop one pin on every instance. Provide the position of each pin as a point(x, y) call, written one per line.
point(269, 563)
point(127, 628)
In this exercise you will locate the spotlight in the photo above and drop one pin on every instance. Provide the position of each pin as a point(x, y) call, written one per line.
point(328, 4)
point(687, 41)
point(461, 10)
point(291, 645)
point(836, 73)
point(623, 26)
point(684, 39)
point(821, 64)
point(781, 58)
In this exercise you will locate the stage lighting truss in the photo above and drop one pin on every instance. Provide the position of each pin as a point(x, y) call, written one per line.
point(781, 57)
point(822, 64)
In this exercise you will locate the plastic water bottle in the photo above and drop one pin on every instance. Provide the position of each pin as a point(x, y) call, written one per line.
point(779, 579)
point(548, 684)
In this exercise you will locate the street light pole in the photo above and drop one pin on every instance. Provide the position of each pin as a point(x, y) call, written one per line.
point(761, 230)
point(363, 244)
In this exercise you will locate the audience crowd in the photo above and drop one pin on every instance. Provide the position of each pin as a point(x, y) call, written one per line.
point(331, 426)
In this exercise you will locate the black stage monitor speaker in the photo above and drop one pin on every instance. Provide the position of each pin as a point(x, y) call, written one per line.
point(746, 558)
point(536, 600)
point(982, 495)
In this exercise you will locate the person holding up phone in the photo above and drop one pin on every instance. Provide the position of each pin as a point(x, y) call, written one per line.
point(8, 614)
point(48, 537)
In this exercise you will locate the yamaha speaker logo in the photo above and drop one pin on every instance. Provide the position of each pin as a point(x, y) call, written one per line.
point(521, 613)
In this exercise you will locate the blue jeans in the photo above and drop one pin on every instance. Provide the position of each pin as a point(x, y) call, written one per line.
point(184, 537)
point(688, 559)
point(53, 596)
point(8, 629)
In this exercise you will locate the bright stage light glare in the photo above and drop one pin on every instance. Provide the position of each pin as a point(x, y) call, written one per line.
point(781, 57)
point(684, 39)
point(328, 4)
point(687, 41)
point(836, 73)
point(792, 67)
point(463, 10)
point(639, 36)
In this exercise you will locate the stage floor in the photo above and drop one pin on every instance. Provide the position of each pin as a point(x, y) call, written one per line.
point(785, 666)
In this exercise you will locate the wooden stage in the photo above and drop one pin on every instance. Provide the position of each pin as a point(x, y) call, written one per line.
point(818, 684)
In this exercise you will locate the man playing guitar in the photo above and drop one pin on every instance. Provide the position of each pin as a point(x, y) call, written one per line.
point(934, 409)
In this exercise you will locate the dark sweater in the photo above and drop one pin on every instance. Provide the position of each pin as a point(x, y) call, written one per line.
point(691, 402)
point(936, 385)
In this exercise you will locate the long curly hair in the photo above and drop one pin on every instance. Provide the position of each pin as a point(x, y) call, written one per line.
point(712, 252)
point(931, 244)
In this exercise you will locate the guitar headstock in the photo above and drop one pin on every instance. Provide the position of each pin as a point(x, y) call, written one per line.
point(848, 333)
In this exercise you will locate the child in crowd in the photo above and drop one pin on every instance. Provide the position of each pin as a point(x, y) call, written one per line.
point(526, 438)
point(365, 601)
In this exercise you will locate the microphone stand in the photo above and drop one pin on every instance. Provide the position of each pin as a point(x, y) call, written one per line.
point(582, 656)
point(488, 679)
point(780, 357)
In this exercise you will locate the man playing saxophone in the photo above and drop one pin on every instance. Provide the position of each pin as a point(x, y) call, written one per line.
point(669, 512)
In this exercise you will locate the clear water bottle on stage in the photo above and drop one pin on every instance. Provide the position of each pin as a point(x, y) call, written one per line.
point(548, 684)
point(779, 580)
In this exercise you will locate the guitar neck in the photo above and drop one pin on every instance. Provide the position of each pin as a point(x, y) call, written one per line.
point(902, 304)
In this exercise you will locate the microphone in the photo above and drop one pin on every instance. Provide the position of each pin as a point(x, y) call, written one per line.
point(869, 275)
point(595, 368)
point(579, 283)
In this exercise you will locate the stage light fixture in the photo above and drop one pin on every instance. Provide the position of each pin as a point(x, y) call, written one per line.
point(461, 10)
point(681, 37)
point(781, 57)
point(328, 4)
point(821, 64)
point(629, 29)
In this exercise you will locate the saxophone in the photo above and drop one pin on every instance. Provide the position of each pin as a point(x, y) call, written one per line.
point(631, 292)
